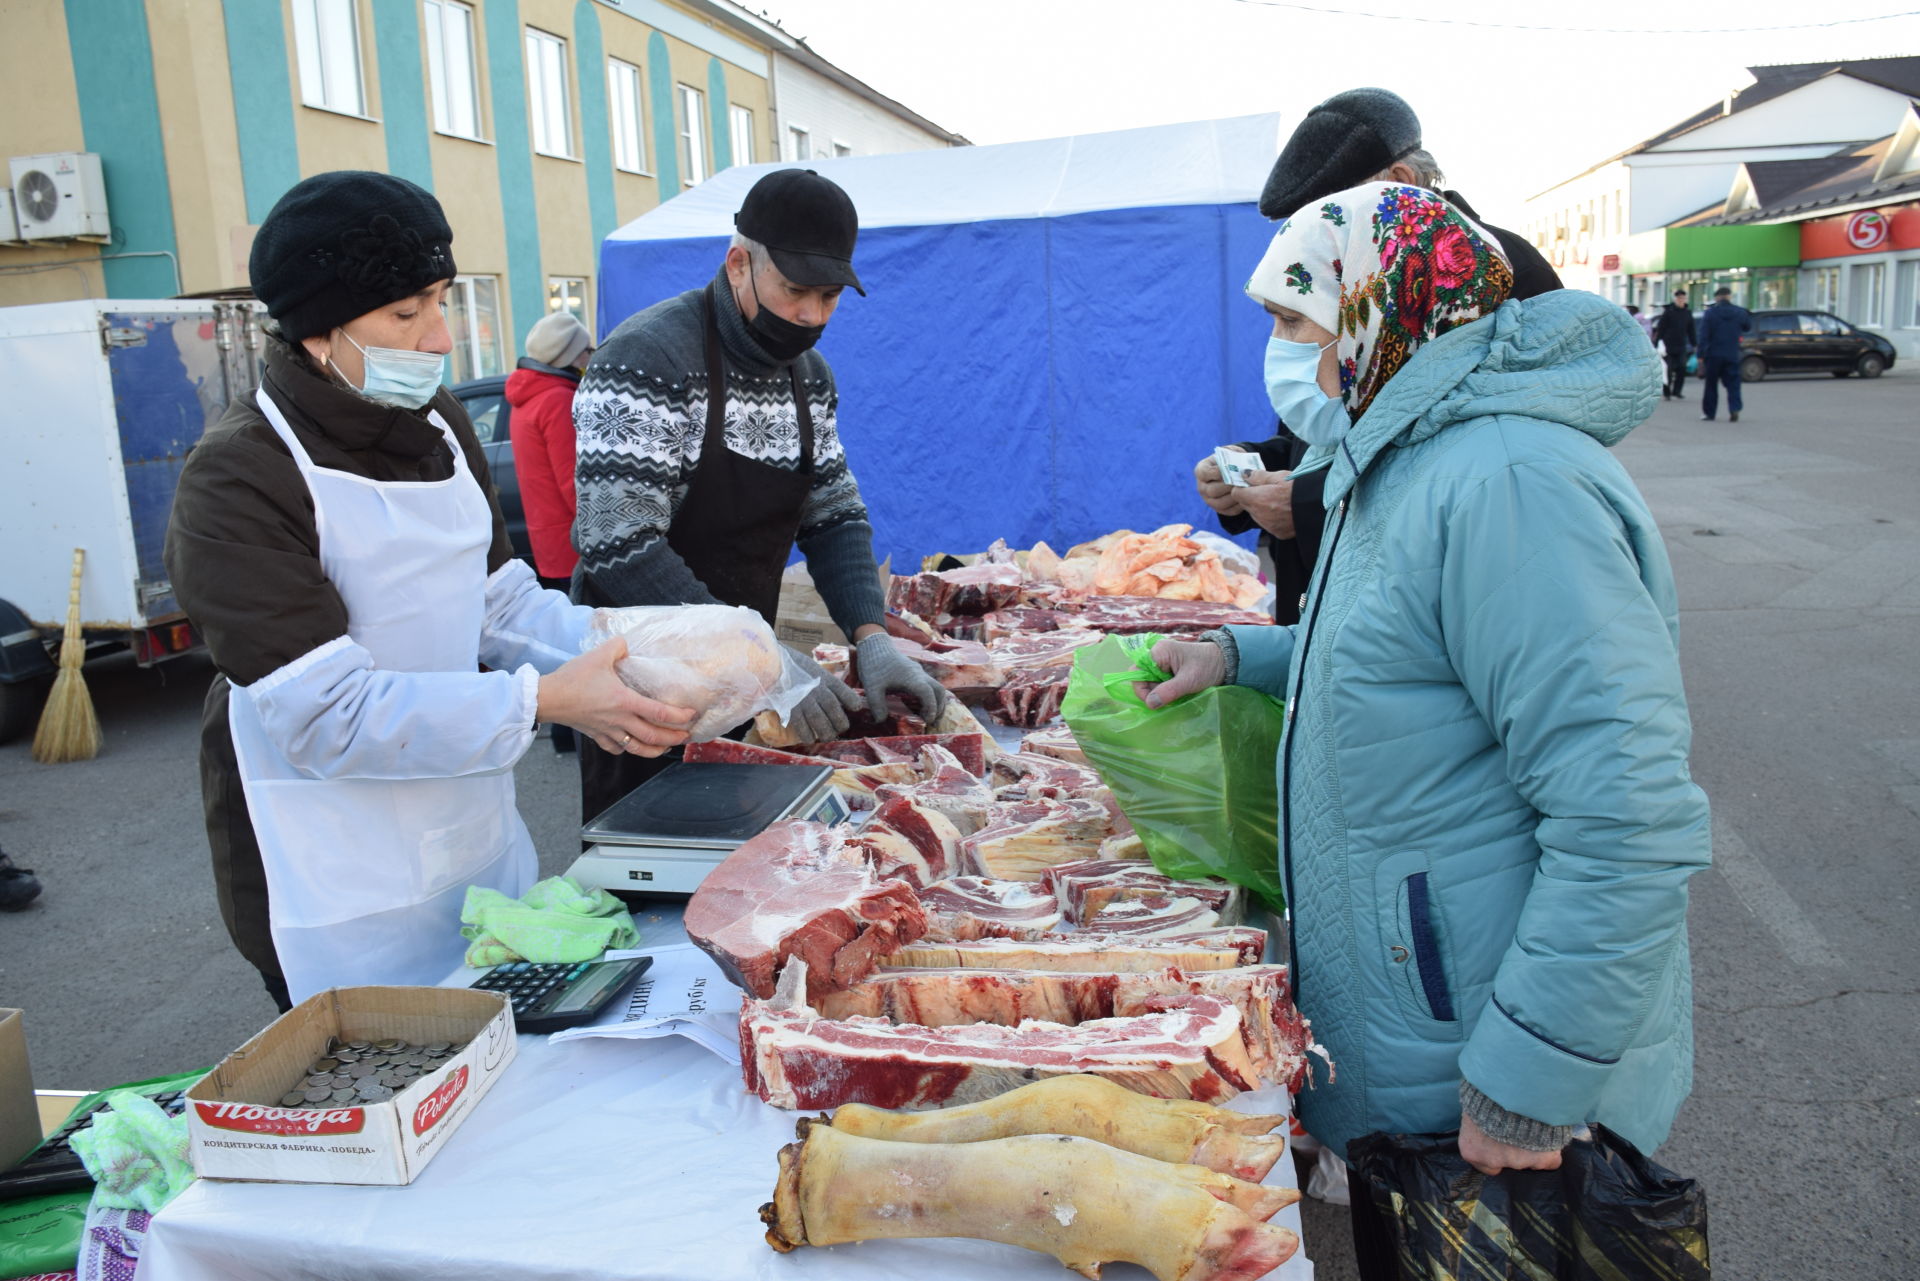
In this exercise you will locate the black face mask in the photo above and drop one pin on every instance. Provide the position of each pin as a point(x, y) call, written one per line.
point(779, 337)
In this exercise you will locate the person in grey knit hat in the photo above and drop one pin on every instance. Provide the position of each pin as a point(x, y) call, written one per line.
point(709, 450)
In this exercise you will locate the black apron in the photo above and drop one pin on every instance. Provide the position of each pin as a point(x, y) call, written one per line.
point(734, 529)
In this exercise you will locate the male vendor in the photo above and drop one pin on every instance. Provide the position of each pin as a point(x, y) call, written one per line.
point(707, 450)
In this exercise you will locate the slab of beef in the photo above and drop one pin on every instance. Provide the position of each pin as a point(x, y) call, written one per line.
point(964, 908)
point(1064, 778)
point(1181, 1047)
point(1151, 914)
point(1021, 840)
point(801, 890)
point(1018, 620)
point(949, 787)
point(1220, 949)
point(1130, 615)
point(1055, 741)
point(914, 842)
point(1085, 888)
point(1031, 696)
point(970, 590)
point(1273, 1031)
point(1043, 649)
point(969, 749)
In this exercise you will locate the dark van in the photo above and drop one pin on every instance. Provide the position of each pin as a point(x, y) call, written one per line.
point(1810, 342)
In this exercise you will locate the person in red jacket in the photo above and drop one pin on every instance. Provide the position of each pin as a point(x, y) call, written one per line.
point(540, 389)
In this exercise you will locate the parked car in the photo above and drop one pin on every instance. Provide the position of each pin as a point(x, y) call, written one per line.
point(485, 400)
point(1810, 342)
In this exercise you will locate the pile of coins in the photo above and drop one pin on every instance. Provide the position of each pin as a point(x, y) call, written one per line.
point(352, 1073)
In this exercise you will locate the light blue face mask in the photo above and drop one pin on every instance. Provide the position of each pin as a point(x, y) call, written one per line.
point(403, 379)
point(1293, 388)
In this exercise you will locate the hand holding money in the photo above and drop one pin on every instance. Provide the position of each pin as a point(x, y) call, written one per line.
point(1214, 491)
point(1235, 465)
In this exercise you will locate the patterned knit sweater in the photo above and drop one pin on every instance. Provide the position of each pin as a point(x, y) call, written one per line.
point(641, 417)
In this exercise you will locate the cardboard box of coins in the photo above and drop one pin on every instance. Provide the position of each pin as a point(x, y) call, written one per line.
point(354, 1085)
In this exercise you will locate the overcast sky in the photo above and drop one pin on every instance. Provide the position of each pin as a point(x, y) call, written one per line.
point(1507, 112)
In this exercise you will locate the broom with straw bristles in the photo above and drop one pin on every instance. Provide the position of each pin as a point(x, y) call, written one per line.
point(69, 730)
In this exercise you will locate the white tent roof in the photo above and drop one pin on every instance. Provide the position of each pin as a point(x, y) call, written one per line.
point(1203, 162)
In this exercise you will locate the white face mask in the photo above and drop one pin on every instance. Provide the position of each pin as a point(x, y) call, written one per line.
point(1293, 388)
point(404, 379)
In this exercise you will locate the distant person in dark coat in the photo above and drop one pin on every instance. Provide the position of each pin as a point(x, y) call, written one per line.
point(1720, 330)
point(1354, 137)
point(1674, 332)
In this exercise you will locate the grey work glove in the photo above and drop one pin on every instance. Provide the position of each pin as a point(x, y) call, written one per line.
point(826, 711)
point(885, 670)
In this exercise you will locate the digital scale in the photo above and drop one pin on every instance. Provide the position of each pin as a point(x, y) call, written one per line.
point(667, 834)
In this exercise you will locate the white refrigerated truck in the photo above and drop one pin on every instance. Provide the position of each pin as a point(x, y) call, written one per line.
point(99, 403)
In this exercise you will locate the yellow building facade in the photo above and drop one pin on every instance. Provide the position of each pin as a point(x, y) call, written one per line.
point(541, 125)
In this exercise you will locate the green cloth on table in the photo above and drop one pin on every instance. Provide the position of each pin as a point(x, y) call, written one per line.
point(136, 1153)
point(557, 920)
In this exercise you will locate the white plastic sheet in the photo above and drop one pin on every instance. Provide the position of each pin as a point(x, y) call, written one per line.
point(620, 1160)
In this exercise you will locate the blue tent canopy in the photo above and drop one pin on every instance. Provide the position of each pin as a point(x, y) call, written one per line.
point(1054, 331)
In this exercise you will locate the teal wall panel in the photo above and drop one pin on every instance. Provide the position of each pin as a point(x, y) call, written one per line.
point(262, 103)
point(596, 133)
point(720, 130)
point(666, 136)
point(403, 89)
point(507, 79)
point(120, 120)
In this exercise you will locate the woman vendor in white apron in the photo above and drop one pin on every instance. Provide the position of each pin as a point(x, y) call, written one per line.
point(383, 659)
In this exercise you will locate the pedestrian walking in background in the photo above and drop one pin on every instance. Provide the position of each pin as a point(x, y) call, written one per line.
point(1673, 331)
point(1642, 319)
point(1719, 341)
point(541, 389)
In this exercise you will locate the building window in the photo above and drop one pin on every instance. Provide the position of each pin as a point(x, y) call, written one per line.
point(693, 138)
point(1911, 292)
point(741, 119)
point(456, 93)
point(1823, 288)
point(1773, 289)
point(624, 95)
point(327, 34)
point(799, 143)
point(568, 293)
point(547, 83)
point(473, 316)
point(1869, 303)
point(841, 149)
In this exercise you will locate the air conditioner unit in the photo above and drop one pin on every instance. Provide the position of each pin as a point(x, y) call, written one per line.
point(9, 222)
point(60, 196)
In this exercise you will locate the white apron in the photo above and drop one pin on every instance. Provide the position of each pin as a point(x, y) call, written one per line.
point(365, 877)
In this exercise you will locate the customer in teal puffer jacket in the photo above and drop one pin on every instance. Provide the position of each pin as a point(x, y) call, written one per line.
point(1487, 821)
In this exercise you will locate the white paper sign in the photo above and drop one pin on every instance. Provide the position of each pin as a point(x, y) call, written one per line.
point(682, 994)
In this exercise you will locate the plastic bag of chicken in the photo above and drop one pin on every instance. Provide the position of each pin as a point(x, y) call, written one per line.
point(720, 660)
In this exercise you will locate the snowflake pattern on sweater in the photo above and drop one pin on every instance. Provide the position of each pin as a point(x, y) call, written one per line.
point(641, 419)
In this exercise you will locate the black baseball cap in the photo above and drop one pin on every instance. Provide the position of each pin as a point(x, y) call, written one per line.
point(807, 223)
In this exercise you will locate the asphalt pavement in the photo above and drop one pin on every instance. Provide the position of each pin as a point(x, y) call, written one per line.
point(1795, 538)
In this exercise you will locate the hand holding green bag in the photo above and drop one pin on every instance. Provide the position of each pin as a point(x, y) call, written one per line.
point(1196, 777)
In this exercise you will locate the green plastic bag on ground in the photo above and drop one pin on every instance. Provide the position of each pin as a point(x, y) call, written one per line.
point(42, 1233)
point(1195, 778)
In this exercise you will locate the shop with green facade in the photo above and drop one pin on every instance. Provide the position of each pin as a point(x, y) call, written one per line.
point(1760, 263)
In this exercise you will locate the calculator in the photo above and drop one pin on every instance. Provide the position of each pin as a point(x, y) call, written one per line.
point(547, 998)
point(55, 1167)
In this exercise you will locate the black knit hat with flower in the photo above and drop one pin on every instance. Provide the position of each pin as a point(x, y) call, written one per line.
point(342, 244)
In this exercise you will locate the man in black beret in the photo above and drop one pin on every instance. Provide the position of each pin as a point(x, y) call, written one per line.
point(1355, 137)
point(382, 657)
point(708, 450)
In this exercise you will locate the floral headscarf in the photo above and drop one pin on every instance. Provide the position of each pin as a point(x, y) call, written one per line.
point(1384, 268)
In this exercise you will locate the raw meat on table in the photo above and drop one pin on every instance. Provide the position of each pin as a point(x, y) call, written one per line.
point(1064, 778)
point(1128, 615)
point(1186, 1047)
point(1220, 949)
point(964, 908)
point(947, 786)
point(1031, 696)
point(1056, 741)
point(1273, 1031)
point(914, 842)
point(969, 590)
point(1151, 914)
point(1022, 840)
point(801, 890)
point(1085, 888)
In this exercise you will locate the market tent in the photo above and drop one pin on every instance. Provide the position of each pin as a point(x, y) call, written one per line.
point(1055, 330)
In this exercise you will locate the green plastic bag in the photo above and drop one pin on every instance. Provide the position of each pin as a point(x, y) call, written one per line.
point(1196, 777)
point(42, 1233)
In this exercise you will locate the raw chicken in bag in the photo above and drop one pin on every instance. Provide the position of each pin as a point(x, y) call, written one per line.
point(720, 660)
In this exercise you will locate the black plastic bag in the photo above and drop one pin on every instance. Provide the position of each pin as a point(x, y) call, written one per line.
point(1606, 1214)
